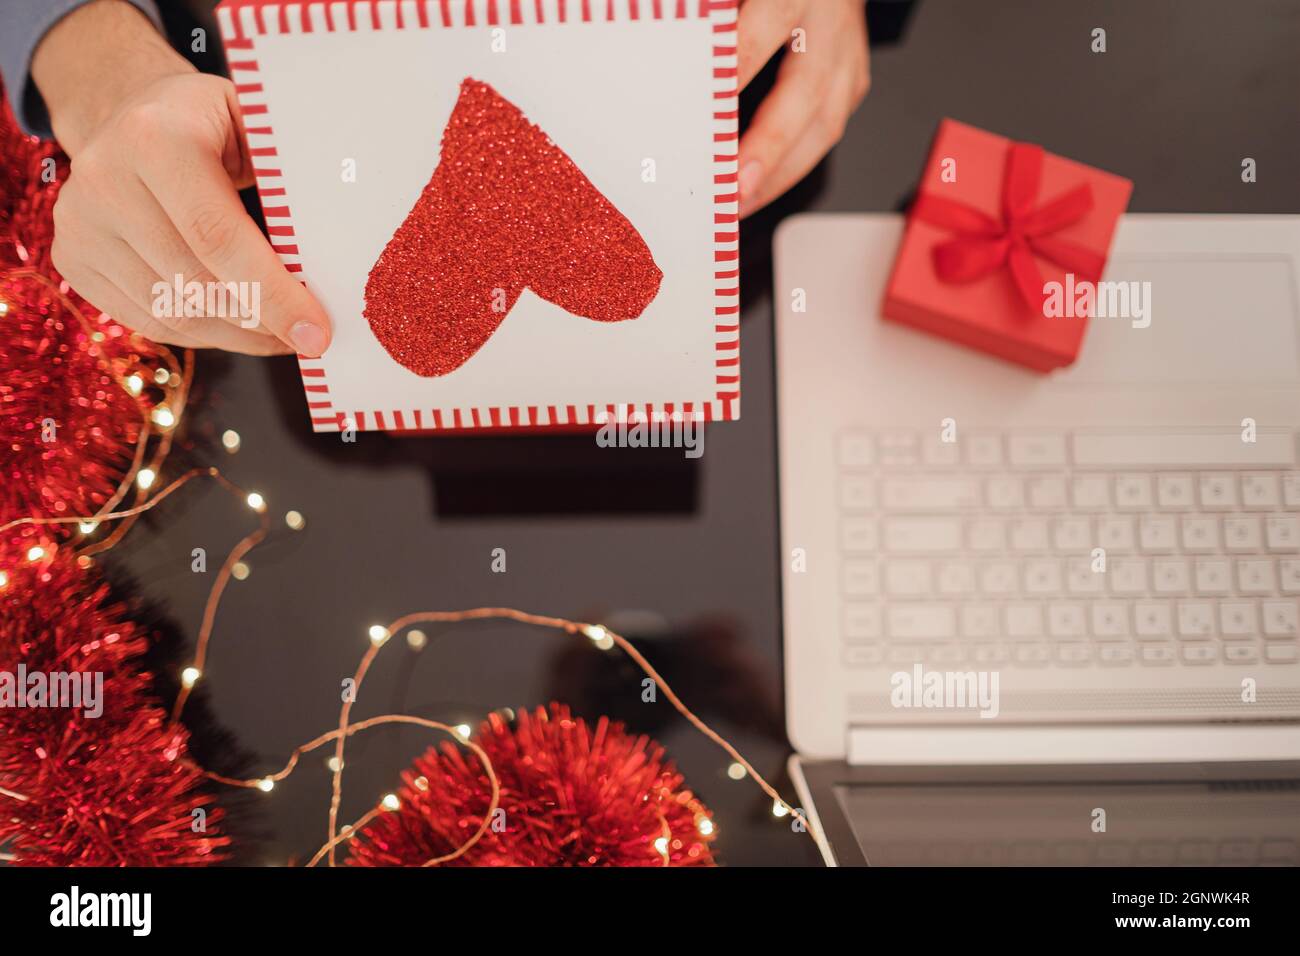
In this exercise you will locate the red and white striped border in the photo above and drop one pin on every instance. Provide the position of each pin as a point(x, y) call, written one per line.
point(243, 21)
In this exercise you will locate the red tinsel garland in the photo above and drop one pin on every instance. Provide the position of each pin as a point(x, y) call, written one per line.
point(79, 790)
point(571, 795)
point(112, 790)
point(67, 429)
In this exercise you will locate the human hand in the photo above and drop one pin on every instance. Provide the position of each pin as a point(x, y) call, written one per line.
point(816, 91)
point(158, 157)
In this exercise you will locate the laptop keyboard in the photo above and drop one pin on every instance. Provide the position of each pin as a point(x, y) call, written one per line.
point(1068, 550)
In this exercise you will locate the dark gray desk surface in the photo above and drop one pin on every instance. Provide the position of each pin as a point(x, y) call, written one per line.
point(1187, 89)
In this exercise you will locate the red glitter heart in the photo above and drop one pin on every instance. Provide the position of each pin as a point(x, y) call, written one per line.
point(506, 210)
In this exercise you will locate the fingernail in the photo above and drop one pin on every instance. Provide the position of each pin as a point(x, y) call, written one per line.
point(308, 338)
point(751, 174)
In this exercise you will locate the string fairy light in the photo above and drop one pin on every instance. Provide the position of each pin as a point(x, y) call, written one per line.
point(142, 477)
point(379, 635)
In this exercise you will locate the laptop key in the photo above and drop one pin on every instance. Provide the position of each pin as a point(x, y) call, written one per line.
point(1291, 489)
point(999, 577)
point(1236, 619)
point(1195, 619)
point(1213, 576)
point(1280, 653)
point(922, 620)
point(1090, 493)
point(1066, 620)
point(1158, 653)
point(898, 449)
point(1080, 578)
point(859, 535)
point(1144, 449)
point(1259, 490)
point(1255, 576)
point(1129, 576)
point(858, 493)
point(861, 578)
point(1240, 652)
point(1152, 620)
point(1289, 569)
point(1279, 619)
point(1242, 533)
point(922, 535)
point(862, 621)
point(979, 620)
point(1133, 492)
point(1041, 450)
point(1282, 532)
point(929, 494)
point(1218, 490)
point(1116, 534)
point(947, 653)
point(1024, 620)
point(1200, 533)
point(1175, 492)
point(857, 450)
point(908, 578)
point(1201, 652)
point(1158, 533)
point(1043, 577)
point(1029, 534)
point(1004, 493)
point(1109, 619)
point(1170, 576)
point(990, 653)
point(1114, 653)
point(983, 449)
point(1033, 654)
point(1074, 653)
point(906, 653)
point(986, 534)
point(956, 579)
point(864, 655)
point(1047, 493)
point(1072, 535)
point(937, 452)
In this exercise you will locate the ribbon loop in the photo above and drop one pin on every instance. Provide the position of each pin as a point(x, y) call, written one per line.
point(982, 245)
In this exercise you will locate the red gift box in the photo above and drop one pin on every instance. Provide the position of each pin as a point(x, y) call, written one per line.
point(993, 222)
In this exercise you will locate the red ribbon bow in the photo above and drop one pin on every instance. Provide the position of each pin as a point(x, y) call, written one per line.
point(984, 245)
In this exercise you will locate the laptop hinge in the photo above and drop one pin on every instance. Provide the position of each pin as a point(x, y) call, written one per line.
point(935, 744)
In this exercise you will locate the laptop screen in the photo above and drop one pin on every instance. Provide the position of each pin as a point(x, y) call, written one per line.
point(1075, 824)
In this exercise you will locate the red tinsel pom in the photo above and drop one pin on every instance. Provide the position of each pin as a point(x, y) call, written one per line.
point(571, 795)
point(109, 790)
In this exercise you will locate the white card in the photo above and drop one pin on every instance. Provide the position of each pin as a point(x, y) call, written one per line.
point(346, 105)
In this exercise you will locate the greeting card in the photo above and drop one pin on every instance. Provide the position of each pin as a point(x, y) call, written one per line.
point(517, 213)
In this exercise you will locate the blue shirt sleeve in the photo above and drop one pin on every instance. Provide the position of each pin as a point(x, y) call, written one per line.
point(23, 24)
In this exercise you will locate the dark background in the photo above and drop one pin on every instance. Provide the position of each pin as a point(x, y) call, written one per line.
point(681, 555)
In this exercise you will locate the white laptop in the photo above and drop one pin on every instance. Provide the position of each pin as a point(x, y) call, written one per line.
point(986, 566)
